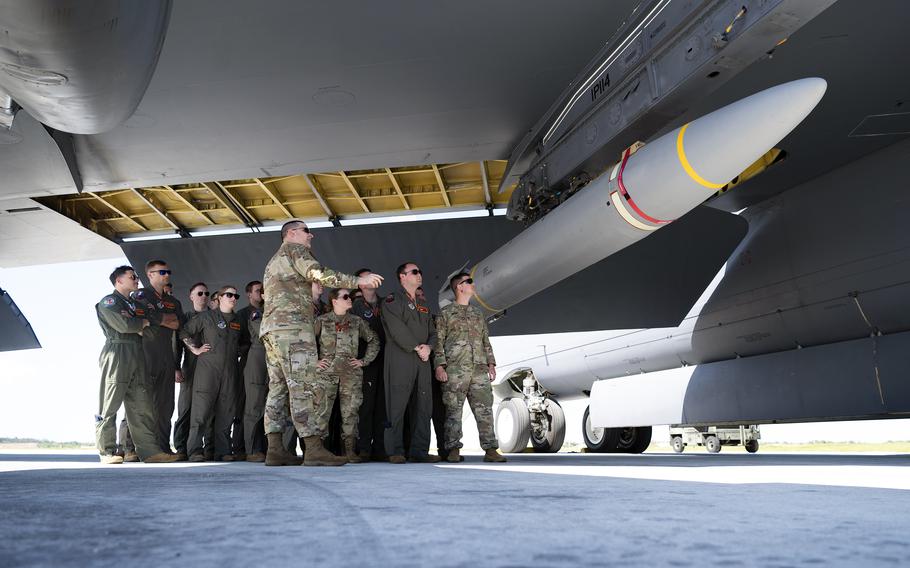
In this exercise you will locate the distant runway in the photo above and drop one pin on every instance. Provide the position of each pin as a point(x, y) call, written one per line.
point(65, 509)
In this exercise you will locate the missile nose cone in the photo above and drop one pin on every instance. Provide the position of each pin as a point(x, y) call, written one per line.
point(719, 146)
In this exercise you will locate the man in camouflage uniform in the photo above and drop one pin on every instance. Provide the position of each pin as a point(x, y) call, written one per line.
point(295, 394)
point(123, 377)
point(339, 334)
point(465, 366)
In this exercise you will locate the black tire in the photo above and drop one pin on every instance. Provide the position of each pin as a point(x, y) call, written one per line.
point(751, 446)
point(515, 438)
point(552, 440)
point(676, 442)
point(642, 440)
point(598, 440)
point(712, 444)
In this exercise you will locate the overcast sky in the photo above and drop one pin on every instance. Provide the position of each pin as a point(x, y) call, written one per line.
point(52, 393)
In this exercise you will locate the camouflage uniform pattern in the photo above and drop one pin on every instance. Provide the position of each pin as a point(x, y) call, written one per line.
point(123, 378)
point(339, 338)
point(288, 335)
point(463, 348)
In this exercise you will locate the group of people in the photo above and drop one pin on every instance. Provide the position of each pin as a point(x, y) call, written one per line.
point(352, 379)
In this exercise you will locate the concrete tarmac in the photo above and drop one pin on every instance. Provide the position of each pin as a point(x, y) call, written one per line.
point(65, 509)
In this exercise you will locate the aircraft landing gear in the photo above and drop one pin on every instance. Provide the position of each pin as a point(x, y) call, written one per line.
point(614, 440)
point(534, 417)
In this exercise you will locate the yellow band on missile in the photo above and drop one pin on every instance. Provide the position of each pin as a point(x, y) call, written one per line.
point(687, 166)
point(478, 298)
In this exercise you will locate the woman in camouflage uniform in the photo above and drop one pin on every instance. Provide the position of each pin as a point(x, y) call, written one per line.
point(337, 335)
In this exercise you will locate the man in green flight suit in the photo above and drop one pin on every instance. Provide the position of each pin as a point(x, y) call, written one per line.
point(290, 345)
point(123, 376)
point(465, 366)
point(410, 335)
point(255, 374)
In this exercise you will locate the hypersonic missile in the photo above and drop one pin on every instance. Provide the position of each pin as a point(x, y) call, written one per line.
point(644, 191)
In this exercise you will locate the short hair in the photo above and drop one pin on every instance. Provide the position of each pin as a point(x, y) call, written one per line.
point(225, 288)
point(292, 224)
point(333, 295)
point(120, 271)
point(196, 285)
point(361, 271)
point(453, 281)
point(153, 263)
point(401, 268)
point(249, 286)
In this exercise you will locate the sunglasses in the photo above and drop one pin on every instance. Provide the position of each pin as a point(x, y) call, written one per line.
point(304, 229)
point(133, 277)
point(466, 281)
point(414, 271)
point(201, 294)
point(231, 295)
point(161, 272)
point(344, 297)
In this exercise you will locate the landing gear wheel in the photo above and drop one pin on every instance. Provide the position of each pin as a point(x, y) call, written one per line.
point(512, 425)
point(598, 440)
point(642, 440)
point(712, 444)
point(676, 442)
point(751, 446)
point(552, 440)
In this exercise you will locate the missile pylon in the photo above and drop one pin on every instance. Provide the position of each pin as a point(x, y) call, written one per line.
point(644, 191)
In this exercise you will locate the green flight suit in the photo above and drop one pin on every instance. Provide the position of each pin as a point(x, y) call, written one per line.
point(255, 379)
point(408, 323)
point(123, 378)
point(161, 355)
point(185, 398)
point(214, 380)
point(372, 409)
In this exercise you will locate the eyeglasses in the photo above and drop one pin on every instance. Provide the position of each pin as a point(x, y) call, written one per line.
point(414, 271)
point(304, 229)
point(344, 297)
point(231, 295)
point(133, 277)
point(161, 272)
point(201, 294)
point(466, 281)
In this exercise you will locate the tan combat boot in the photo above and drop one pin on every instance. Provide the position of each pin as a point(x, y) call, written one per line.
point(316, 454)
point(161, 457)
point(111, 460)
point(277, 454)
point(396, 459)
point(131, 457)
point(454, 456)
point(349, 452)
point(257, 457)
point(492, 455)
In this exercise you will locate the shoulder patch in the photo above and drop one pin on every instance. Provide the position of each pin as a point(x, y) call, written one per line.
point(108, 301)
point(255, 315)
point(138, 294)
point(390, 298)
